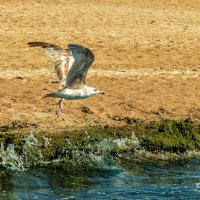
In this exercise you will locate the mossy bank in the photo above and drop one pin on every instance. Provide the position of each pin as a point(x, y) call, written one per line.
point(25, 145)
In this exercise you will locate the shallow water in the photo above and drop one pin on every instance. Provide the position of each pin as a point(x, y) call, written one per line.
point(135, 180)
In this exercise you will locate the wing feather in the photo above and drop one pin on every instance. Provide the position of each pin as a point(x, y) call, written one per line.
point(59, 59)
point(79, 63)
point(77, 58)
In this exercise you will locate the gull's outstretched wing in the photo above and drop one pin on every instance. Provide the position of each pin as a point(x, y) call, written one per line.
point(79, 63)
point(59, 59)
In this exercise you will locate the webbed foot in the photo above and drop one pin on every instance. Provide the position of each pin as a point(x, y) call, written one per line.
point(59, 112)
point(60, 105)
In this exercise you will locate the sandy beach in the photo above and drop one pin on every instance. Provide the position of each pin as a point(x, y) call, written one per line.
point(147, 61)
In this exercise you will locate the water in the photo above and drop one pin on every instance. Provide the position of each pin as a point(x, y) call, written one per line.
point(131, 180)
point(93, 172)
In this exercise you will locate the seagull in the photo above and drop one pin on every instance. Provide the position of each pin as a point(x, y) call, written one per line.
point(71, 66)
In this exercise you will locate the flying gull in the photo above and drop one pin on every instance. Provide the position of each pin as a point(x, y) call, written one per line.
point(71, 66)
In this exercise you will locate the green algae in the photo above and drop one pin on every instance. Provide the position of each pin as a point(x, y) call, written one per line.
point(168, 135)
point(176, 136)
point(100, 146)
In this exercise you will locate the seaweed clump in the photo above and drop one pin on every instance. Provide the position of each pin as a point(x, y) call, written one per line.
point(175, 136)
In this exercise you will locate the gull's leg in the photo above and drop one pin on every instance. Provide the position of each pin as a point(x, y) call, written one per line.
point(60, 106)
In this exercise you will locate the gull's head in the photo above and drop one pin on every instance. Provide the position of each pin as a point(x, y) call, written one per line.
point(94, 91)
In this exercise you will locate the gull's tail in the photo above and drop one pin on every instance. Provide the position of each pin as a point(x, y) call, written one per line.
point(54, 94)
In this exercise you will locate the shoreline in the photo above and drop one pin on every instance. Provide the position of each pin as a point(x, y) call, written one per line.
point(24, 146)
point(146, 61)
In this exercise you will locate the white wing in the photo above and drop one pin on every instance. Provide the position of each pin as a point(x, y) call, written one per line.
point(59, 59)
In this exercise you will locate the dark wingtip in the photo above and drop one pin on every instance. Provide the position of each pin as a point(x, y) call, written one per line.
point(35, 44)
point(31, 43)
point(43, 45)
